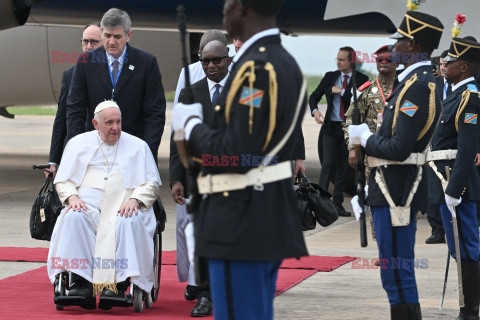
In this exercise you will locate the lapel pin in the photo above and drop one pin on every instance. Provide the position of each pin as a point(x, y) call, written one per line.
point(131, 67)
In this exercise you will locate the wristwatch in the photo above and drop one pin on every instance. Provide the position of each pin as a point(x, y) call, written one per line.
point(139, 202)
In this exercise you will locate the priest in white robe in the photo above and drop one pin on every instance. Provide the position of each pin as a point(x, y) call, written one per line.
point(108, 181)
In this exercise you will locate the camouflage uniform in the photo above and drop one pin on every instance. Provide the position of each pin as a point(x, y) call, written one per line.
point(370, 105)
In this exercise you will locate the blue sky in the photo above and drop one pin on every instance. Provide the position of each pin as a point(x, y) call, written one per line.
point(316, 54)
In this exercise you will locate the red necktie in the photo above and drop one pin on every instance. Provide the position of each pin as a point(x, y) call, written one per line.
point(342, 107)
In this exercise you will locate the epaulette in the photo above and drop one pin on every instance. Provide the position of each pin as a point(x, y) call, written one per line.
point(365, 85)
point(472, 88)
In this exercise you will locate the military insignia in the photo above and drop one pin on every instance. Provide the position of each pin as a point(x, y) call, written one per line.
point(409, 108)
point(377, 100)
point(365, 85)
point(471, 118)
point(375, 90)
point(255, 97)
point(472, 87)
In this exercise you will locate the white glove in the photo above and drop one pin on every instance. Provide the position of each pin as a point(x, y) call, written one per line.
point(357, 209)
point(359, 131)
point(182, 112)
point(366, 191)
point(452, 203)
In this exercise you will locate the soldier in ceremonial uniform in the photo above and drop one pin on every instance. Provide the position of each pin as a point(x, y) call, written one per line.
point(455, 145)
point(396, 157)
point(248, 223)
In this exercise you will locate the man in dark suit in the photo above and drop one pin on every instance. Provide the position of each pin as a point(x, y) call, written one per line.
point(215, 62)
point(337, 87)
point(248, 222)
point(120, 72)
point(91, 39)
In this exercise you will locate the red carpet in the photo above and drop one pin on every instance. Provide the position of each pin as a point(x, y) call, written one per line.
point(319, 263)
point(30, 295)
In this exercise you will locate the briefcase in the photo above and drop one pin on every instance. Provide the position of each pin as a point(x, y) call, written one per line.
point(45, 211)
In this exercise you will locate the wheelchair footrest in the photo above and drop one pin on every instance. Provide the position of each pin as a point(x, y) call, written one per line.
point(78, 301)
point(117, 301)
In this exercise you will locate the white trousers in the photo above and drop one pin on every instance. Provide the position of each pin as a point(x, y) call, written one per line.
point(185, 270)
point(72, 246)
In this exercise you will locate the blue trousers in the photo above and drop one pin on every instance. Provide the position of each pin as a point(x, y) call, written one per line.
point(467, 230)
point(397, 256)
point(243, 290)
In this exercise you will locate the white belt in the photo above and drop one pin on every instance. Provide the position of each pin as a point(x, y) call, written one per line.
point(417, 159)
point(257, 177)
point(449, 154)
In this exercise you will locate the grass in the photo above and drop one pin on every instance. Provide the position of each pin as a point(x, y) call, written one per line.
point(33, 111)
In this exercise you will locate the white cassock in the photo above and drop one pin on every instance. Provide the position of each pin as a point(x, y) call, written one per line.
point(85, 164)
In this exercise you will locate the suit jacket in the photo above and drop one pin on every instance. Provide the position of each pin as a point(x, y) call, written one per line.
point(138, 92)
point(201, 94)
point(409, 131)
point(248, 224)
point(59, 131)
point(325, 88)
point(464, 180)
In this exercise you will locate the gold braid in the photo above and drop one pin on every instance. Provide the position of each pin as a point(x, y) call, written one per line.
point(431, 111)
point(408, 84)
point(462, 106)
point(273, 93)
point(237, 82)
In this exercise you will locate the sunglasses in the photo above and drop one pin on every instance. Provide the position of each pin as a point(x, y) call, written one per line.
point(92, 41)
point(216, 60)
point(386, 59)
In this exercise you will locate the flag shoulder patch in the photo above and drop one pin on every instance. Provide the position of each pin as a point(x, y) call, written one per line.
point(409, 108)
point(254, 96)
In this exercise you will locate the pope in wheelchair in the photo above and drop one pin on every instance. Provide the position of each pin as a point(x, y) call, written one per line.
point(108, 181)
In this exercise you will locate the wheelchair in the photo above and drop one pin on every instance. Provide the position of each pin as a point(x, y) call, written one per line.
point(135, 296)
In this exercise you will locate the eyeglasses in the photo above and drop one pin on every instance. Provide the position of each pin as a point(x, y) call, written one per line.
point(93, 42)
point(216, 60)
point(386, 59)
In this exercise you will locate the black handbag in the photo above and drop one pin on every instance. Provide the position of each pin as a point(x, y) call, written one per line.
point(320, 202)
point(45, 211)
point(307, 217)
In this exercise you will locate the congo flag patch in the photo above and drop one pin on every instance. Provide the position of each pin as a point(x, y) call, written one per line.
point(255, 96)
point(471, 118)
point(409, 108)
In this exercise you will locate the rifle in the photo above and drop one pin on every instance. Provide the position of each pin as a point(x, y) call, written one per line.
point(359, 164)
point(179, 135)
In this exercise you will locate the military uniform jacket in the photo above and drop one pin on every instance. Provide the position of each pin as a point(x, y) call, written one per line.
point(458, 129)
point(370, 104)
point(409, 119)
point(252, 225)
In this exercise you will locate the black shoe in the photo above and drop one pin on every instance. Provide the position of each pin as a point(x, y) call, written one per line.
point(405, 311)
point(81, 288)
point(203, 308)
point(191, 292)
point(471, 282)
point(436, 238)
point(341, 211)
point(104, 304)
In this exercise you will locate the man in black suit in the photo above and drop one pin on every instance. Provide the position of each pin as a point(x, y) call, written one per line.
point(215, 62)
point(91, 39)
point(336, 86)
point(120, 72)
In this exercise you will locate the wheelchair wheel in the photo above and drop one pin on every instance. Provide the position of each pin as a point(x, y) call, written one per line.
point(148, 300)
point(61, 292)
point(137, 299)
point(157, 263)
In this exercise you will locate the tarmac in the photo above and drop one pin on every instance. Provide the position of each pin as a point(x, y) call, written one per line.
point(353, 291)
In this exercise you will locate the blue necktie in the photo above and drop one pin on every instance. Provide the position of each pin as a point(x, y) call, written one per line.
point(115, 65)
point(216, 93)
